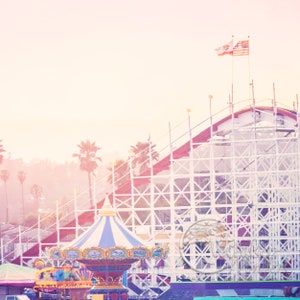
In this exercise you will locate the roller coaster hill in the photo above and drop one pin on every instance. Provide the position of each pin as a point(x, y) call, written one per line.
point(225, 198)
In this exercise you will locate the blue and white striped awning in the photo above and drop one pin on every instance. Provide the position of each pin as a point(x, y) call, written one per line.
point(108, 231)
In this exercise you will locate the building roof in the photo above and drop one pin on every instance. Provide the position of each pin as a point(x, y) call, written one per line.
point(15, 275)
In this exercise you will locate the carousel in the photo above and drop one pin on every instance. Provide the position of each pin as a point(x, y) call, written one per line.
point(98, 261)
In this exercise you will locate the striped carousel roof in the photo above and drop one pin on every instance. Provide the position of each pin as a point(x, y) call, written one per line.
point(108, 231)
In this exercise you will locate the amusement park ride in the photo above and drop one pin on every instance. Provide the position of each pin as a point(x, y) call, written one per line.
point(99, 258)
point(224, 197)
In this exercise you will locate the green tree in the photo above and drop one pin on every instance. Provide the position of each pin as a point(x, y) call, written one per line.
point(141, 155)
point(4, 177)
point(88, 160)
point(119, 173)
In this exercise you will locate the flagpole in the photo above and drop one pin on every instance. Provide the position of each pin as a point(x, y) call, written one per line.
point(241, 48)
point(231, 112)
point(229, 104)
point(253, 98)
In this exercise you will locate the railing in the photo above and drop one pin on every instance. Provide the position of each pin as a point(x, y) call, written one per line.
point(66, 217)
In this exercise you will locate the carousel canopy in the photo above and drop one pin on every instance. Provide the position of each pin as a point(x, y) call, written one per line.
point(108, 231)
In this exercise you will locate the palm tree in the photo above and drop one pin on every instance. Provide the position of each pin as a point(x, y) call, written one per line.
point(119, 173)
point(4, 177)
point(1, 151)
point(21, 178)
point(141, 153)
point(88, 160)
point(37, 193)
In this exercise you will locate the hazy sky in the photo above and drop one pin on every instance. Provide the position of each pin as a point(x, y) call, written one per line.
point(116, 71)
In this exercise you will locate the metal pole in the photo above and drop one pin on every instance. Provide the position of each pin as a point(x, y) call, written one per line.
point(39, 231)
point(94, 197)
point(2, 251)
point(57, 223)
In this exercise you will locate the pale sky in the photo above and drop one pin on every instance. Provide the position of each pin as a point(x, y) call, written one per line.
point(118, 71)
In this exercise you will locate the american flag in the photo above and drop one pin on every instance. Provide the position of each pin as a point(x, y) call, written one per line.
point(241, 48)
point(225, 49)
